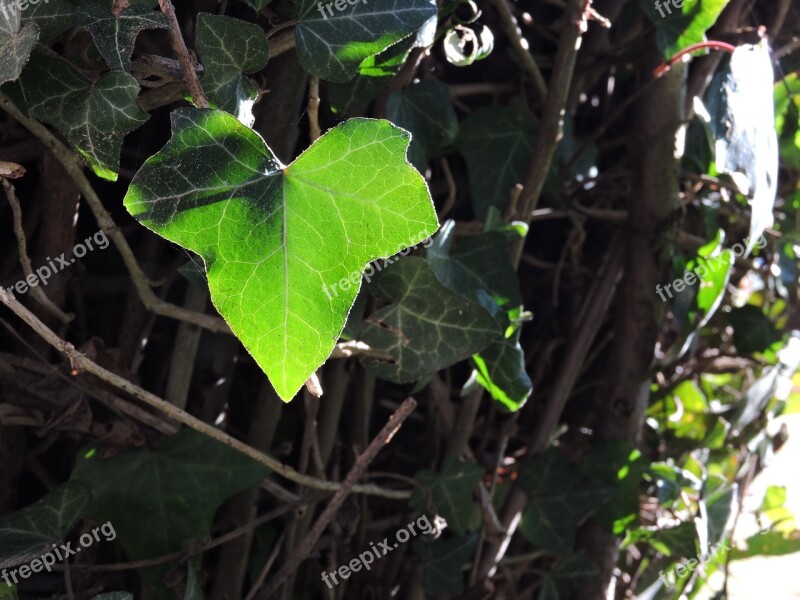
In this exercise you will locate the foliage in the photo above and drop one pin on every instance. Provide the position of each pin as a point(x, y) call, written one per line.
point(479, 204)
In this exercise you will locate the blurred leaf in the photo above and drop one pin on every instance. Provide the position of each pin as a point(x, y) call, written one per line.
point(451, 491)
point(768, 544)
point(619, 467)
point(28, 533)
point(680, 27)
point(752, 330)
point(444, 560)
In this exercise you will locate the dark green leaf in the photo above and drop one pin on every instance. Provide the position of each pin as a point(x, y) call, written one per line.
point(284, 247)
point(115, 36)
point(159, 500)
point(497, 143)
point(331, 43)
point(619, 467)
point(500, 369)
point(444, 562)
point(53, 17)
point(425, 110)
point(28, 533)
point(426, 328)
point(94, 116)
point(752, 330)
point(559, 500)
point(230, 47)
point(451, 492)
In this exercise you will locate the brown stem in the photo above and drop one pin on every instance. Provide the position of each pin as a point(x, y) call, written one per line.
point(179, 46)
point(359, 468)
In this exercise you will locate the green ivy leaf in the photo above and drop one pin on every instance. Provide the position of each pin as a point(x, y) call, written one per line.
point(16, 43)
point(426, 328)
point(284, 247)
point(567, 576)
point(331, 43)
point(450, 491)
point(500, 370)
point(94, 116)
point(230, 47)
point(426, 111)
point(680, 27)
point(497, 144)
point(559, 500)
point(29, 532)
point(444, 562)
point(115, 36)
point(159, 500)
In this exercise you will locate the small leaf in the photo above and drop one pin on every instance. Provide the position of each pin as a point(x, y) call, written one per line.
point(284, 247)
point(752, 330)
point(16, 43)
point(29, 532)
point(500, 369)
point(93, 116)
point(451, 492)
point(115, 36)
point(159, 500)
point(230, 47)
point(426, 328)
point(426, 111)
point(444, 562)
point(678, 27)
point(331, 43)
point(497, 143)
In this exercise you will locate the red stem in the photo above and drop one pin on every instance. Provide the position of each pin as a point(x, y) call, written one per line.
point(710, 45)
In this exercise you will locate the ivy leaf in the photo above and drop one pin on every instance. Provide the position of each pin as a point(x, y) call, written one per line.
point(230, 47)
point(450, 491)
point(27, 533)
point(331, 43)
point(444, 562)
point(94, 116)
point(567, 576)
point(559, 500)
point(497, 143)
point(426, 328)
point(426, 111)
point(16, 44)
point(500, 370)
point(680, 27)
point(159, 500)
point(115, 36)
point(52, 18)
point(279, 242)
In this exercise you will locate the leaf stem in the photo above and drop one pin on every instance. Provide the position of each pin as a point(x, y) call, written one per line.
point(179, 45)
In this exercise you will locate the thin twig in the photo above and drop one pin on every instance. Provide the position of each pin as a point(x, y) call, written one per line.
point(82, 363)
point(24, 259)
point(359, 468)
point(179, 45)
point(520, 44)
point(75, 170)
point(314, 132)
